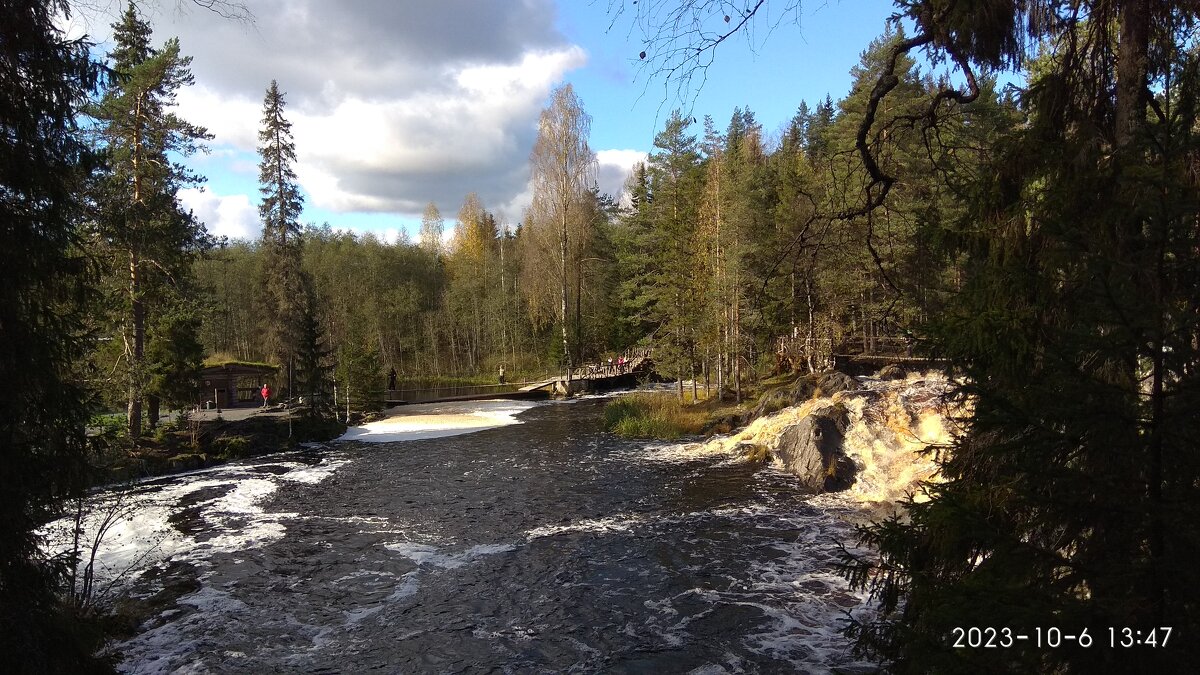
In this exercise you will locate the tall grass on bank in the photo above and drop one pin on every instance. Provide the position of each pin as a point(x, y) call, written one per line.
point(652, 415)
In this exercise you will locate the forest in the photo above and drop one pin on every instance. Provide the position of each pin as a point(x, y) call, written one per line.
point(1040, 235)
point(729, 239)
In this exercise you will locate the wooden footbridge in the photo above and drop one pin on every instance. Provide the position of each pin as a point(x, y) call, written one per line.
point(623, 371)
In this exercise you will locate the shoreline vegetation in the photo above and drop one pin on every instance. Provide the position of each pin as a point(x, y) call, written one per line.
point(177, 447)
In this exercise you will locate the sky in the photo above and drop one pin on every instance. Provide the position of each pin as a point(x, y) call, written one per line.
point(398, 103)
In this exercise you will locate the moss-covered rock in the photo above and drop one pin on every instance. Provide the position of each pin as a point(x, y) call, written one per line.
point(187, 462)
point(232, 447)
point(754, 453)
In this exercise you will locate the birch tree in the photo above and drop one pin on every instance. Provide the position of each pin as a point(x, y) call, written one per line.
point(564, 169)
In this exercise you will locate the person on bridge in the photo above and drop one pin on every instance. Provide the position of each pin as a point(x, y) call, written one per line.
point(266, 394)
point(501, 373)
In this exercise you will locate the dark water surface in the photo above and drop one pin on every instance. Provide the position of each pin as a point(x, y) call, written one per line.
point(546, 546)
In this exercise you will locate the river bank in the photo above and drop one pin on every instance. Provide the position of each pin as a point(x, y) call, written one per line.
point(207, 439)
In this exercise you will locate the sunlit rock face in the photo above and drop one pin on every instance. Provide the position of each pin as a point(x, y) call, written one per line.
point(865, 440)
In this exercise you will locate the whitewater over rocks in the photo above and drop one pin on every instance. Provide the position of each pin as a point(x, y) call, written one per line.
point(539, 544)
point(866, 440)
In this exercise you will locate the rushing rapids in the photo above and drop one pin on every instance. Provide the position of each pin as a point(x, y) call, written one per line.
point(890, 423)
point(541, 544)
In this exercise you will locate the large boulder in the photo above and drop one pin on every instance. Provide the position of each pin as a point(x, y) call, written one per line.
point(813, 449)
point(827, 383)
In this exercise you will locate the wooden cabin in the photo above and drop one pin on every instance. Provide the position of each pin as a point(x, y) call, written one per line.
point(235, 383)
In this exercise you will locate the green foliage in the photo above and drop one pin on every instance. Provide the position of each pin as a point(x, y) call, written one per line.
point(1070, 498)
point(313, 363)
point(282, 277)
point(360, 377)
point(646, 415)
point(175, 357)
point(142, 231)
point(232, 447)
point(46, 280)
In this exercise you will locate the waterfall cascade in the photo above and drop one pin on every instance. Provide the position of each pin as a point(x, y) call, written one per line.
point(878, 430)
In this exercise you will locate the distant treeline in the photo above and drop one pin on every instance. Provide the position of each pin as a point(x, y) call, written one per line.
point(726, 240)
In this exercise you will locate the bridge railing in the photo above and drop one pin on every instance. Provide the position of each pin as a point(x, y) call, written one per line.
point(622, 364)
point(418, 395)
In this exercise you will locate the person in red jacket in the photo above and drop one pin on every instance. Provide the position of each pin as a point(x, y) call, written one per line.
point(266, 394)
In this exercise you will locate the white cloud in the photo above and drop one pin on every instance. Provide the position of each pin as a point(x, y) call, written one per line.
point(229, 216)
point(392, 104)
point(613, 168)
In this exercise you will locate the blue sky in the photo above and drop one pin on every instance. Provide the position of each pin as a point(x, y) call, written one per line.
point(396, 104)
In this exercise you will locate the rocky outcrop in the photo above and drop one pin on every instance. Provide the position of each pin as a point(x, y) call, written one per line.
point(865, 436)
point(813, 449)
point(805, 388)
point(827, 383)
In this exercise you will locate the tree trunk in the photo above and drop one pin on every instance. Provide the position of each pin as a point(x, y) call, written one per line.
point(1132, 68)
point(810, 338)
point(562, 270)
point(737, 352)
point(137, 349)
point(152, 410)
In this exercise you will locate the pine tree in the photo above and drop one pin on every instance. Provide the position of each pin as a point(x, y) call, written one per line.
point(45, 282)
point(280, 208)
point(142, 221)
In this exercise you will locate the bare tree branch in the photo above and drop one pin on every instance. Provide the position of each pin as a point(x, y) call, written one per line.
point(680, 37)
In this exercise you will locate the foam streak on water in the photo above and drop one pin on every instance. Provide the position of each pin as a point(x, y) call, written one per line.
point(426, 421)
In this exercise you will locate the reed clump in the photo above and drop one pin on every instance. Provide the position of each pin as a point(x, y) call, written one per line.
point(653, 415)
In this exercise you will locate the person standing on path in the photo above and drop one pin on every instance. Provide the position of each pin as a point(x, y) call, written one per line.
point(266, 394)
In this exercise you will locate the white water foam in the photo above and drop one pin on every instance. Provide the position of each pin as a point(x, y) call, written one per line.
point(618, 523)
point(138, 532)
point(427, 555)
point(436, 420)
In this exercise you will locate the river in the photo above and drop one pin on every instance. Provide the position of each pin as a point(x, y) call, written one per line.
point(540, 545)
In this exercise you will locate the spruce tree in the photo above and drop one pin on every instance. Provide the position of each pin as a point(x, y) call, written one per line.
point(675, 293)
point(632, 239)
point(45, 281)
point(282, 282)
point(313, 376)
point(1070, 501)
